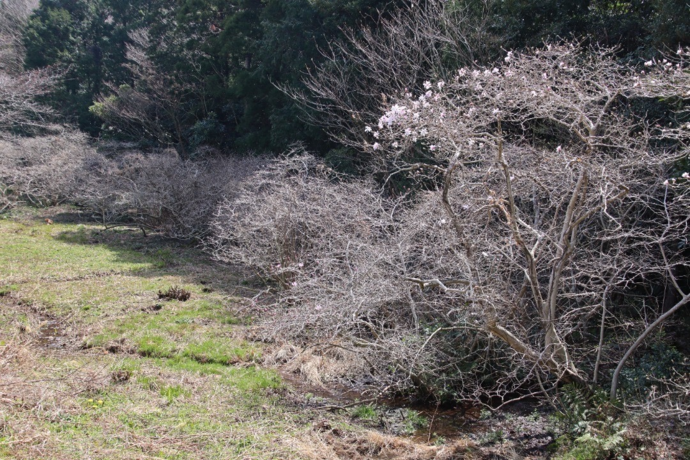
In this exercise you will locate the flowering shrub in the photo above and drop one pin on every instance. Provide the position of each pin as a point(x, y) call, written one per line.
point(544, 198)
point(554, 192)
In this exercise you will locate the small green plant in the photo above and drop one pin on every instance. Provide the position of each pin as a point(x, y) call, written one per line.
point(439, 441)
point(413, 420)
point(155, 346)
point(367, 412)
point(173, 392)
point(252, 379)
point(7, 290)
point(148, 383)
point(594, 446)
point(493, 437)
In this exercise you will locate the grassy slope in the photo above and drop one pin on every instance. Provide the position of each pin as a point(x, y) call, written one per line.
point(90, 369)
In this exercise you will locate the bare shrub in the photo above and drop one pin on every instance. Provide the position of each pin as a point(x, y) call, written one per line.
point(548, 210)
point(161, 192)
point(175, 293)
point(45, 170)
point(156, 191)
point(322, 239)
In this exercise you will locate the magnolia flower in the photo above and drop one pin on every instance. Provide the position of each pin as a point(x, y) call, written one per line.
point(686, 175)
point(462, 72)
point(367, 129)
point(559, 149)
point(648, 63)
point(427, 85)
point(440, 84)
point(376, 146)
point(432, 147)
point(509, 56)
point(395, 145)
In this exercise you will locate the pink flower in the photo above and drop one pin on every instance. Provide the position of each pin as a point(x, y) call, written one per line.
point(376, 146)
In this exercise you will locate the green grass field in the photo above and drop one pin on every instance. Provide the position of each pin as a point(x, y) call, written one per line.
point(94, 365)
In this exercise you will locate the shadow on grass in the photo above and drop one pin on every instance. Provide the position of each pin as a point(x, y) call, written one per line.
point(160, 256)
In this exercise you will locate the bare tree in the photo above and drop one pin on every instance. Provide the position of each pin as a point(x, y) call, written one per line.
point(19, 105)
point(362, 72)
point(19, 90)
point(153, 107)
point(13, 17)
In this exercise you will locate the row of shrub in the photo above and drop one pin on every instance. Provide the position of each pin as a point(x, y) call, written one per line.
point(156, 191)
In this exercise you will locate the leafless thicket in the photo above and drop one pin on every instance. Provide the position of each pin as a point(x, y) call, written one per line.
point(161, 192)
point(18, 88)
point(156, 191)
point(549, 223)
point(323, 240)
point(415, 44)
point(13, 16)
point(46, 170)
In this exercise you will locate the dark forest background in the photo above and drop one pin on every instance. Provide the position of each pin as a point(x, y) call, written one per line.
point(213, 67)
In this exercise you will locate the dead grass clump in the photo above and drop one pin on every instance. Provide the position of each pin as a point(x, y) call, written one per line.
point(175, 293)
point(327, 442)
point(320, 365)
